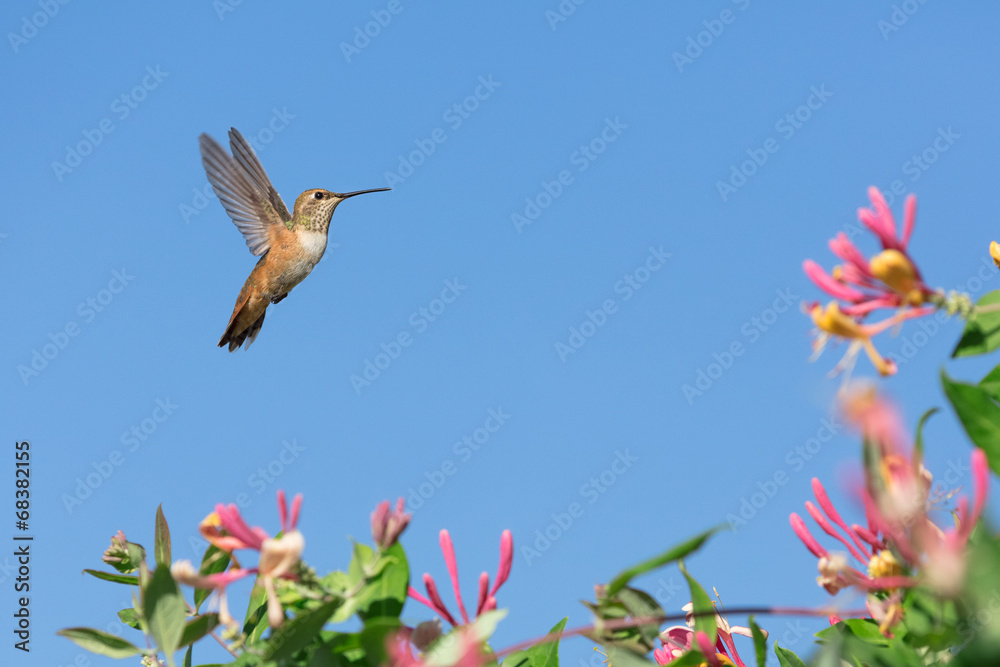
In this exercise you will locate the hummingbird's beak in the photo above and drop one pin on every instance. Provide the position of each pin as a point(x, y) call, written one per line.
point(361, 192)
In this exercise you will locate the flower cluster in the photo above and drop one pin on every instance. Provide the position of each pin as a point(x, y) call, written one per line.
point(486, 601)
point(861, 286)
point(679, 639)
point(225, 529)
point(901, 546)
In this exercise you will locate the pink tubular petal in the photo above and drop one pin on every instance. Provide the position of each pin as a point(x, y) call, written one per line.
point(296, 508)
point(847, 251)
point(283, 510)
point(829, 530)
point(831, 511)
point(909, 218)
point(233, 523)
point(800, 529)
point(379, 520)
point(706, 647)
point(879, 524)
point(438, 604)
point(834, 619)
point(506, 560)
point(416, 595)
point(826, 283)
point(981, 484)
point(887, 222)
point(484, 587)
point(491, 604)
point(449, 560)
point(868, 536)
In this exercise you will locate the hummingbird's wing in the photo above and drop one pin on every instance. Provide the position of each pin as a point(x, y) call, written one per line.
point(247, 158)
point(250, 208)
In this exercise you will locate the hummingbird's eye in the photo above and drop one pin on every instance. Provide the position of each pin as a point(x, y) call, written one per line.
point(318, 195)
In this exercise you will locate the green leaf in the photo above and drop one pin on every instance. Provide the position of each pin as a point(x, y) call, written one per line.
point(187, 657)
point(256, 619)
point(866, 630)
point(100, 642)
point(546, 654)
point(919, 437)
point(198, 627)
point(161, 546)
point(669, 556)
point(214, 561)
point(374, 636)
point(622, 657)
point(759, 643)
point(787, 658)
point(704, 619)
point(129, 617)
point(165, 611)
point(385, 593)
point(299, 632)
point(991, 383)
point(129, 579)
point(979, 415)
point(982, 330)
point(640, 604)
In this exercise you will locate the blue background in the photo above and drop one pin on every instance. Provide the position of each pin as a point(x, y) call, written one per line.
point(132, 205)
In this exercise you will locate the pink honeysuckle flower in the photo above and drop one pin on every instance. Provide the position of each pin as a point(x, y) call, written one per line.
point(388, 524)
point(861, 285)
point(834, 324)
point(896, 499)
point(945, 564)
point(185, 573)
point(836, 573)
point(487, 600)
point(889, 279)
point(400, 650)
point(678, 640)
point(226, 529)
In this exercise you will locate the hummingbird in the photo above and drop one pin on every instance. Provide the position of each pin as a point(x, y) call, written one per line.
point(289, 244)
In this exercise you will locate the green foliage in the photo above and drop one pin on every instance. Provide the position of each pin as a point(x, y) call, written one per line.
point(982, 330)
point(979, 414)
point(669, 556)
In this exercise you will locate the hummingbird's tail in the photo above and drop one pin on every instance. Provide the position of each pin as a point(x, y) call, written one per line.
point(249, 335)
point(245, 323)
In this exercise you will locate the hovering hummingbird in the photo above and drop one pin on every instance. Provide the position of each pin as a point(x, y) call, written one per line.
point(290, 244)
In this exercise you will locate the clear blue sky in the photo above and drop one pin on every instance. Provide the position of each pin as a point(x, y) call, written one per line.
point(595, 119)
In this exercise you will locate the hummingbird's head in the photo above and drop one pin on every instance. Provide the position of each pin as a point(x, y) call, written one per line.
point(314, 208)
